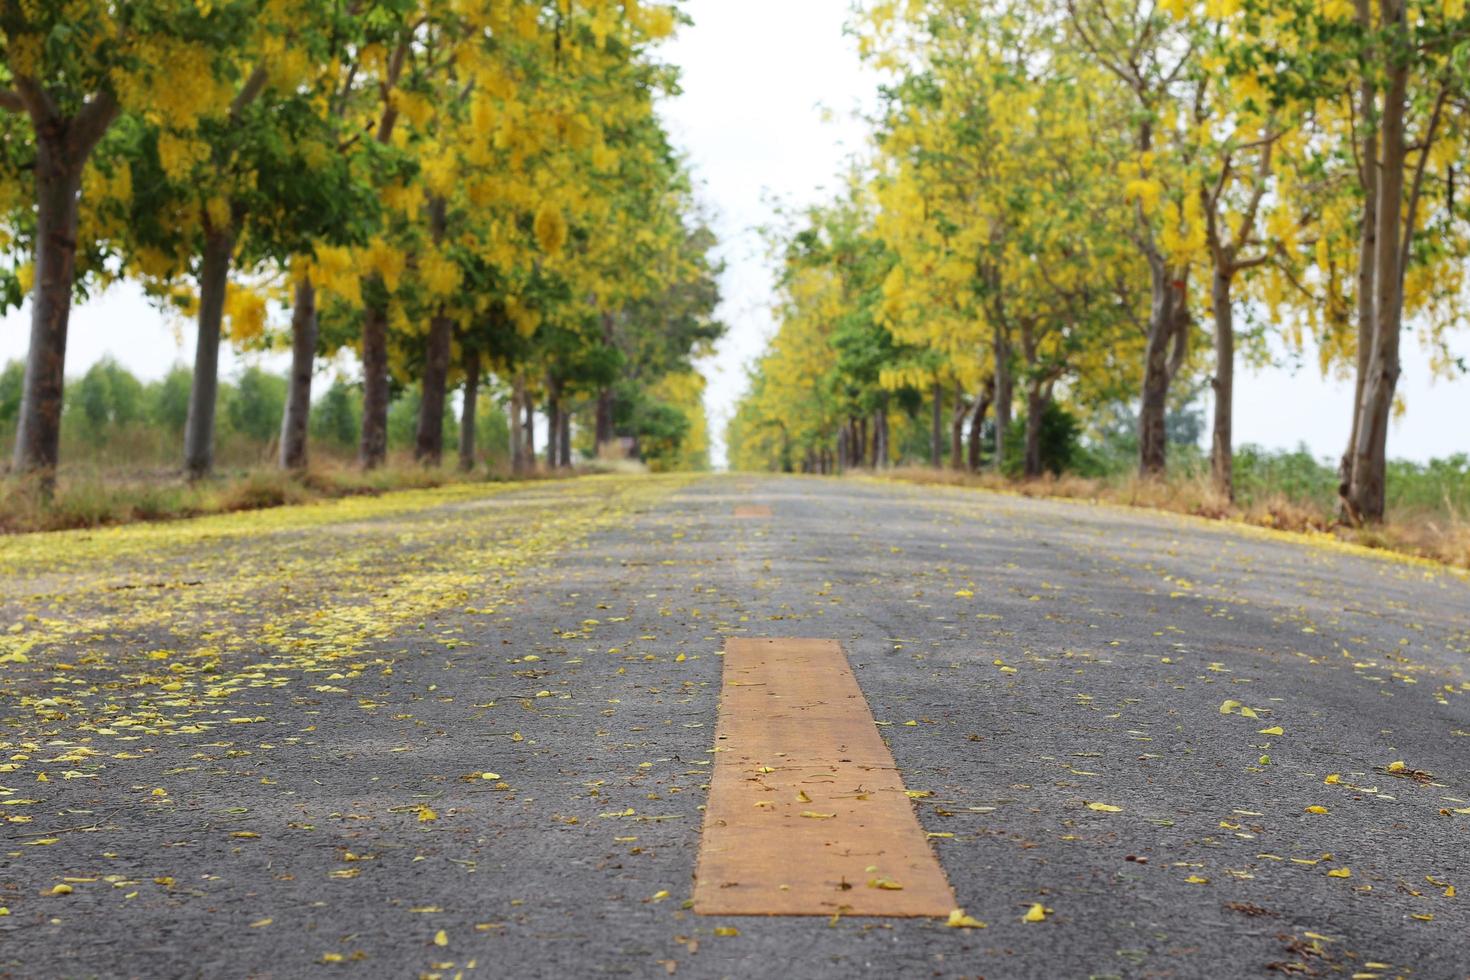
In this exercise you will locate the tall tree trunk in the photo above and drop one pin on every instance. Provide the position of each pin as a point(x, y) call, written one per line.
point(513, 413)
point(957, 429)
point(469, 405)
point(214, 278)
point(936, 426)
point(38, 437)
point(564, 443)
point(862, 441)
point(298, 392)
point(372, 450)
point(428, 445)
point(1004, 395)
point(1367, 262)
point(1222, 452)
point(604, 436)
point(844, 453)
point(880, 437)
point(528, 405)
point(553, 422)
point(1037, 398)
point(977, 422)
point(1164, 351)
point(429, 441)
point(1367, 490)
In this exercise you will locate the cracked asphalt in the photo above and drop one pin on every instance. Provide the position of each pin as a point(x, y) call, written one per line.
point(1208, 751)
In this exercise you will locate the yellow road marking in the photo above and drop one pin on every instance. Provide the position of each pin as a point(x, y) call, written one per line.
point(752, 510)
point(807, 813)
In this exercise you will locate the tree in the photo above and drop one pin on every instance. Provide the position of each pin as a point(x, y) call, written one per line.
point(70, 70)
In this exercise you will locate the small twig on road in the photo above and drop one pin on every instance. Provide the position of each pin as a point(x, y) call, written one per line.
point(94, 825)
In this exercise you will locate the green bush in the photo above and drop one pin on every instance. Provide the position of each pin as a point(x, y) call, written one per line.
point(1061, 442)
point(336, 418)
point(1296, 475)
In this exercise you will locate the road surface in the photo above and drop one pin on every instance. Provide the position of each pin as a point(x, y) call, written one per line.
point(469, 732)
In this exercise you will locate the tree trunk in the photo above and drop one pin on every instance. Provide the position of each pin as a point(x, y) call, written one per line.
point(214, 278)
point(1367, 489)
point(1004, 395)
point(957, 430)
point(880, 437)
point(844, 454)
point(604, 434)
point(467, 417)
point(565, 441)
point(372, 450)
point(513, 415)
point(1367, 257)
point(428, 445)
point(936, 426)
point(298, 391)
point(1222, 452)
point(1036, 402)
point(977, 422)
point(528, 405)
point(38, 436)
point(603, 437)
point(1164, 350)
point(862, 441)
point(553, 422)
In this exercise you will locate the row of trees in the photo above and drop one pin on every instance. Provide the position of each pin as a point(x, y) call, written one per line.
point(113, 417)
point(1065, 193)
point(449, 188)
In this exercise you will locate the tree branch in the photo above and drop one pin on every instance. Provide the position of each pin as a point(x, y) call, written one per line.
point(1412, 215)
point(250, 91)
point(91, 122)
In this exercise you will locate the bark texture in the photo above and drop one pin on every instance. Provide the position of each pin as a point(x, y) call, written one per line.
point(528, 405)
point(372, 450)
point(1165, 348)
point(1222, 453)
point(38, 438)
point(880, 437)
point(214, 277)
point(467, 413)
point(565, 442)
point(1367, 487)
point(298, 392)
point(63, 145)
point(958, 414)
point(428, 446)
point(513, 417)
point(553, 421)
point(1004, 394)
point(977, 423)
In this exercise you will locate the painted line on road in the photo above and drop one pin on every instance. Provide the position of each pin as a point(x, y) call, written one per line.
point(746, 511)
point(807, 812)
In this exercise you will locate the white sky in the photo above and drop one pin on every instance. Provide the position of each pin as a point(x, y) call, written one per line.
point(767, 115)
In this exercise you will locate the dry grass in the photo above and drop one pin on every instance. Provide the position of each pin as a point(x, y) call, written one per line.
point(1438, 536)
point(101, 496)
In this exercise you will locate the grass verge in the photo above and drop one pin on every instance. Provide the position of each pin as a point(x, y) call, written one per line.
point(100, 498)
point(1439, 535)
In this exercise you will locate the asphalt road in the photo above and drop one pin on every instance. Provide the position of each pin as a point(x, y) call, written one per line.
point(469, 735)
